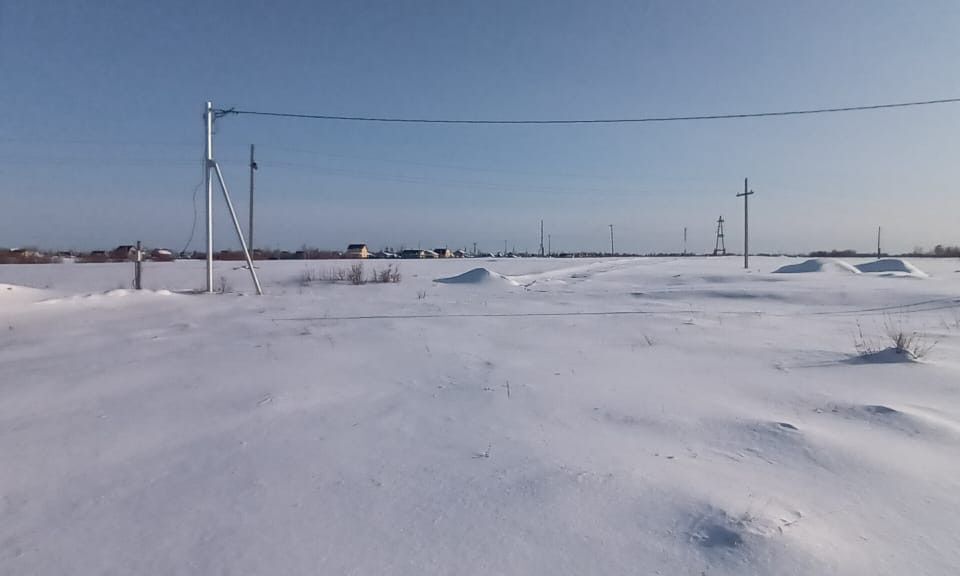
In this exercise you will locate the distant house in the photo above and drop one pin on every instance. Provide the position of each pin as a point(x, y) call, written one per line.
point(123, 252)
point(418, 254)
point(162, 255)
point(443, 253)
point(95, 256)
point(357, 251)
point(460, 254)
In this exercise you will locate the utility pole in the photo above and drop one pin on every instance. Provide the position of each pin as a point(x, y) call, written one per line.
point(550, 245)
point(209, 177)
point(474, 248)
point(684, 253)
point(253, 167)
point(541, 238)
point(611, 240)
point(504, 247)
point(213, 167)
point(878, 242)
point(746, 225)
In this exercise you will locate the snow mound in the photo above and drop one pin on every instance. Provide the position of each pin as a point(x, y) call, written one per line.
point(892, 267)
point(109, 295)
point(818, 265)
point(889, 355)
point(11, 294)
point(11, 290)
point(478, 276)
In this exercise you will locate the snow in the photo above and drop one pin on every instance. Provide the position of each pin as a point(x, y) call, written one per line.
point(608, 416)
point(478, 276)
point(892, 266)
point(818, 265)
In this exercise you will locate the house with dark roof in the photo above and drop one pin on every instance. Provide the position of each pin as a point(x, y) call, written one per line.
point(357, 251)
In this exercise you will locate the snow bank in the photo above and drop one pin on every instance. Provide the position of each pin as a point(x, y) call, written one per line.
point(13, 295)
point(817, 265)
point(892, 267)
point(110, 295)
point(478, 276)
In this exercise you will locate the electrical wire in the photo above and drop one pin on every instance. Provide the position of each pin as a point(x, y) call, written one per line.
point(228, 111)
point(193, 227)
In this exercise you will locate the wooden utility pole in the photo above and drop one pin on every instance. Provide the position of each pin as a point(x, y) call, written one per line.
point(684, 253)
point(253, 166)
point(878, 242)
point(746, 225)
point(612, 252)
point(541, 238)
point(550, 245)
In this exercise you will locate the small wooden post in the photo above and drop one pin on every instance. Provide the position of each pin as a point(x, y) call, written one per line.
point(138, 269)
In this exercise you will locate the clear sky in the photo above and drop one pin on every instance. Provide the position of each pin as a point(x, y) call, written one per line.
point(101, 131)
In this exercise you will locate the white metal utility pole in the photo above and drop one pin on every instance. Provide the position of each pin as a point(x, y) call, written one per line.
point(209, 177)
point(746, 225)
point(253, 167)
point(211, 167)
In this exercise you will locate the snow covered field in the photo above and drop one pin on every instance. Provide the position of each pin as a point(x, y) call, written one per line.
point(641, 416)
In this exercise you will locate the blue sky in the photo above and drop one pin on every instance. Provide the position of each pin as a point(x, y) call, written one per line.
point(101, 135)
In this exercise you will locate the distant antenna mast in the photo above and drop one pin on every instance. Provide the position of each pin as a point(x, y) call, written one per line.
point(211, 167)
point(746, 225)
point(720, 248)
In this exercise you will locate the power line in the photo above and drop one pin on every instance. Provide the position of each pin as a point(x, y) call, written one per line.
point(689, 118)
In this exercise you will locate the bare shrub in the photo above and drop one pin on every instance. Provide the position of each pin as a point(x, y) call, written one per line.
point(389, 275)
point(911, 343)
point(914, 344)
point(355, 274)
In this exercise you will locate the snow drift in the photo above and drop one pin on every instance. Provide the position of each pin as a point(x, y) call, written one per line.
point(892, 267)
point(478, 276)
point(817, 265)
point(12, 296)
